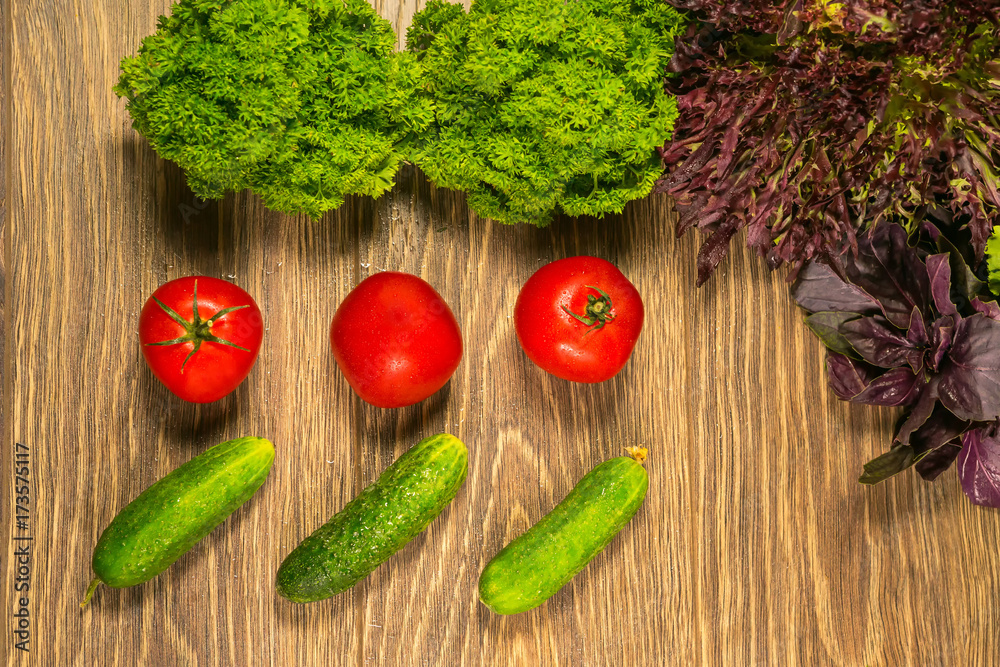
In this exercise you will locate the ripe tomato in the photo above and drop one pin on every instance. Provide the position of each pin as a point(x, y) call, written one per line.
point(578, 318)
point(200, 336)
point(395, 340)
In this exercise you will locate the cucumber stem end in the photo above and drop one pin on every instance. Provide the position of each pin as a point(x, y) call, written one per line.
point(637, 453)
point(90, 591)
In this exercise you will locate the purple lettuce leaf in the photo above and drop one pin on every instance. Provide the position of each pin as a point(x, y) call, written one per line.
point(979, 466)
point(970, 379)
point(714, 249)
point(808, 123)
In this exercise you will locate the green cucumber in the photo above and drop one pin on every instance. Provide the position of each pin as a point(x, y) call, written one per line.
point(174, 513)
point(386, 515)
point(529, 570)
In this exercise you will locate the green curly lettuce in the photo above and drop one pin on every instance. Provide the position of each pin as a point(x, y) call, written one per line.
point(541, 107)
point(301, 101)
point(993, 260)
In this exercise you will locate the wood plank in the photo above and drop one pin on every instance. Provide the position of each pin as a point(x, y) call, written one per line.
point(755, 545)
point(6, 462)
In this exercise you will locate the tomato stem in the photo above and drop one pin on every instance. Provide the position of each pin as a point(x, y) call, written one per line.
point(196, 330)
point(598, 311)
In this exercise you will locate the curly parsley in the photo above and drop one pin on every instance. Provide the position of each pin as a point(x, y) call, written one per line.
point(301, 101)
point(542, 106)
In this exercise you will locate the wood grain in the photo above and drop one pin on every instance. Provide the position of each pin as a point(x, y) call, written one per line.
point(755, 546)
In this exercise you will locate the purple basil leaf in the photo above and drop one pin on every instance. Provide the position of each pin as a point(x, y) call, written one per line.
point(826, 326)
point(939, 274)
point(917, 333)
point(881, 468)
point(932, 231)
point(903, 265)
point(962, 277)
point(847, 377)
point(919, 339)
point(940, 428)
point(818, 288)
point(942, 332)
point(900, 386)
point(919, 414)
point(989, 308)
point(877, 344)
point(979, 466)
point(937, 461)
point(915, 359)
point(889, 270)
point(939, 435)
point(923, 448)
point(970, 377)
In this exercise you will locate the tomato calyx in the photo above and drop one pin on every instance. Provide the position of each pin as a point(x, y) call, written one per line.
point(196, 330)
point(598, 310)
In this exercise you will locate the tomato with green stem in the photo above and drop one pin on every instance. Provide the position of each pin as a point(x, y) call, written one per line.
point(200, 336)
point(579, 319)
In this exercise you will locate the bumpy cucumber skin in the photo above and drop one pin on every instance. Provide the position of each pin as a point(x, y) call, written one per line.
point(386, 515)
point(177, 511)
point(529, 570)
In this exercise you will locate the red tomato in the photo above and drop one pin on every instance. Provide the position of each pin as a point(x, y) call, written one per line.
point(578, 318)
point(395, 340)
point(200, 336)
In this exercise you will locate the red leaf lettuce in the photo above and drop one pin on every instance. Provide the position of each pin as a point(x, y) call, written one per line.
point(806, 122)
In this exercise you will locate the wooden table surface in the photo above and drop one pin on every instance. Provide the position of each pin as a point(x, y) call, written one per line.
point(755, 546)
